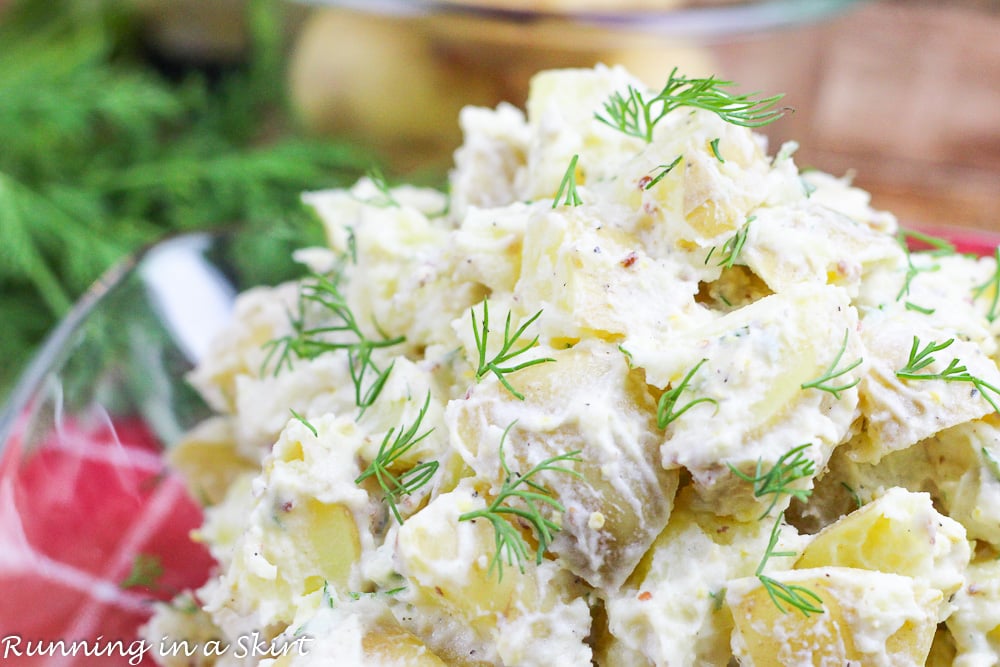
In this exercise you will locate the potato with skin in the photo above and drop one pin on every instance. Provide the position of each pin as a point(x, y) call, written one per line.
point(669, 613)
point(586, 400)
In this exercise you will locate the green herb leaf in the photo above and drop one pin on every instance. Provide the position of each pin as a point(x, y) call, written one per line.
point(777, 482)
point(824, 382)
point(521, 498)
point(921, 357)
point(568, 186)
point(394, 485)
point(795, 597)
point(636, 116)
point(146, 571)
point(993, 285)
point(506, 353)
point(666, 407)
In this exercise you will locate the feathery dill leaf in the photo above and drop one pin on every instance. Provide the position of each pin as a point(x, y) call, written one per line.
point(102, 153)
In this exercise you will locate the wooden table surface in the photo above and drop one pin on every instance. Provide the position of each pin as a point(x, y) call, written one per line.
point(908, 96)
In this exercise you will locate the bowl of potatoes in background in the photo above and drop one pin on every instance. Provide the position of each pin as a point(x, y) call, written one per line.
point(395, 74)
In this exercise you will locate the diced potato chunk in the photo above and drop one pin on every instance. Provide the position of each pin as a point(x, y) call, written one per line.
point(815, 244)
point(757, 360)
point(587, 400)
point(534, 617)
point(670, 611)
point(872, 618)
point(975, 625)
point(900, 412)
point(208, 460)
point(594, 280)
point(900, 533)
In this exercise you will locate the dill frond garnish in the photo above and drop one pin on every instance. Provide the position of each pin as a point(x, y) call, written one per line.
point(529, 500)
point(992, 283)
point(339, 330)
point(991, 463)
point(733, 246)
point(663, 169)
point(777, 482)
point(938, 248)
point(302, 420)
point(506, 353)
point(666, 411)
point(384, 199)
point(824, 382)
point(568, 186)
point(102, 154)
point(714, 145)
point(637, 116)
point(393, 485)
point(796, 597)
point(146, 572)
point(921, 357)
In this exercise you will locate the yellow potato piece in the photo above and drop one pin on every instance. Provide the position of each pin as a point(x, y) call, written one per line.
point(622, 497)
point(208, 460)
point(901, 533)
point(330, 537)
point(872, 618)
point(389, 644)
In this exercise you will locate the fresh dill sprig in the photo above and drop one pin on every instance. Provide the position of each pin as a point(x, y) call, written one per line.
point(532, 499)
point(665, 407)
point(304, 422)
point(384, 199)
point(776, 482)
point(103, 154)
point(854, 494)
point(506, 353)
point(568, 186)
point(824, 382)
point(357, 595)
point(797, 597)
point(352, 245)
point(991, 463)
point(393, 485)
point(636, 116)
point(993, 282)
point(732, 248)
point(714, 145)
point(921, 357)
point(647, 182)
point(340, 332)
point(146, 571)
point(938, 248)
point(909, 305)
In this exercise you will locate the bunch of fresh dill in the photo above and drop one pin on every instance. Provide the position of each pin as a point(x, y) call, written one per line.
point(101, 152)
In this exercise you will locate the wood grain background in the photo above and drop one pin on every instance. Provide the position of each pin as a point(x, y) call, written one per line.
point(907, 94)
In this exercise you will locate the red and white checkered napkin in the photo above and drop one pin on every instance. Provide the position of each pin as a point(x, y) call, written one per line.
point(78, 514)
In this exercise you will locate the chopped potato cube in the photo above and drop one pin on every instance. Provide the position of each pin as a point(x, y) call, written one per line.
point(872, 618)
point(901, 533)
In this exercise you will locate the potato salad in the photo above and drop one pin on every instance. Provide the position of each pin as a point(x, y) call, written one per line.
point(634, 391)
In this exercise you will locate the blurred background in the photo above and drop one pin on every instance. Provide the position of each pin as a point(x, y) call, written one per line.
point(123, 121)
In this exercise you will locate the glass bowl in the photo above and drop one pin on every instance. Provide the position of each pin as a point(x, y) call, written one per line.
point(93, 524)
